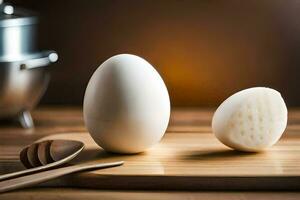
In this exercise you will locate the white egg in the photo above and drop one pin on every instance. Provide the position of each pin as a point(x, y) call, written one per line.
point(126, 105)
point(251, 120)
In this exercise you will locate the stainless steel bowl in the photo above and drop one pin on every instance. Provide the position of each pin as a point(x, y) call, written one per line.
point(23, 73)
point(22, 84)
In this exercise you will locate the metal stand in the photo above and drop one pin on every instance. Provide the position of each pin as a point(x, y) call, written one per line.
point(26, 119)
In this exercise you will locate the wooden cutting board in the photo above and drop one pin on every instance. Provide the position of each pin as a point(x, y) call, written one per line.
point(190, 161)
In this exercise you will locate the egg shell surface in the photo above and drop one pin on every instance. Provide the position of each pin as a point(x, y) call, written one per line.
point(126, 105)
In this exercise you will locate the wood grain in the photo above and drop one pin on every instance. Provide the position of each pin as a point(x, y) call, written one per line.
point(189, 157)
point(80, 194)
point(191, 161)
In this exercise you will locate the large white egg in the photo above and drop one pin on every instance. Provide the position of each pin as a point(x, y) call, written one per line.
point(251, 120)
point(126, 105)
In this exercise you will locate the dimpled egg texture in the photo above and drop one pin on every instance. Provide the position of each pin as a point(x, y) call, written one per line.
point(251, 120)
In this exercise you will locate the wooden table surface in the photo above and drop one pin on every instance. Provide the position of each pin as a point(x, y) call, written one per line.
point(53, 120)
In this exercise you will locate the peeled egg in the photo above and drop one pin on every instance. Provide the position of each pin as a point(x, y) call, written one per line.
point(126, 105)
point(251, 120)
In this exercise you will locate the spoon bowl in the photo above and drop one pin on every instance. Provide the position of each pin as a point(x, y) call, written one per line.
point(46, 154)
point(50, 152)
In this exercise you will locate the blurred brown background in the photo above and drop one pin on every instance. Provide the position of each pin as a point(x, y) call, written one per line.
point(204, 50)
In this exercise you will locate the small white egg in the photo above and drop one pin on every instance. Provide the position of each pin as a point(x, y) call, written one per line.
point(251, 120)
point(126, 105)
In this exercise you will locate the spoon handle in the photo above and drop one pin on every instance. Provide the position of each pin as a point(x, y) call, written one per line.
point(23, 172)
point(33, 179)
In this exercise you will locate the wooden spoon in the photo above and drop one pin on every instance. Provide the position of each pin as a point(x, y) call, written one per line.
point(45, 155)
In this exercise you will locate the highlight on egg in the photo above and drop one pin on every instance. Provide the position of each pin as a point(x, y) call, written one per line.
point(251, 120)
point(126, 105)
